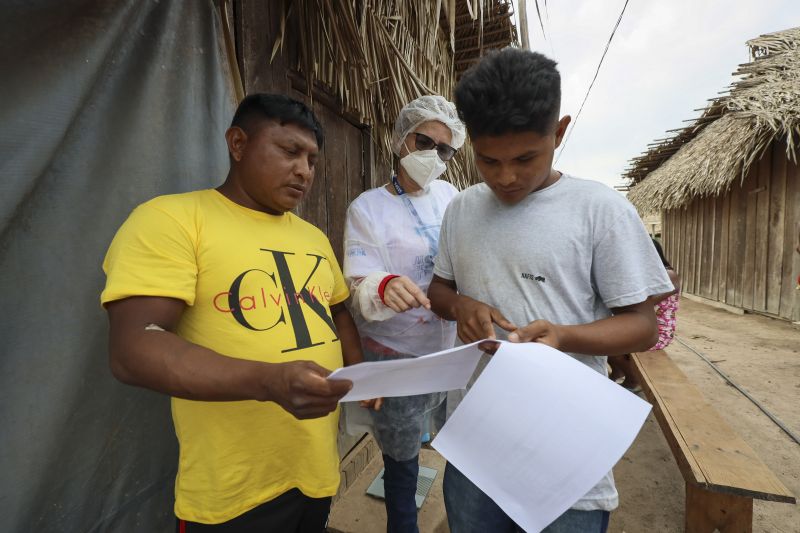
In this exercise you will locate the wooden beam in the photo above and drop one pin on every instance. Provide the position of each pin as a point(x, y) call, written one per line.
point(709, 511)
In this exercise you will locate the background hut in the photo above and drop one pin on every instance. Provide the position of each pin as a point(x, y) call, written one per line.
point(728, 186)
point(107, 104)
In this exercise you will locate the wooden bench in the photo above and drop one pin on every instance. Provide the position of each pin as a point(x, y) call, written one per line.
point(722, 472)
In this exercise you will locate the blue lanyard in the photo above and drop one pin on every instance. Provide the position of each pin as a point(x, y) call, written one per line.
point(433, 243)
point(399, 188)
point(401, 192)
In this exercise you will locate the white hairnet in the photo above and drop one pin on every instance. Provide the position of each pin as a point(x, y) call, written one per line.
point(424, 109)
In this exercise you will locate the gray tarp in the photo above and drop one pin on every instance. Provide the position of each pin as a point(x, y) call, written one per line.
point(103, 105)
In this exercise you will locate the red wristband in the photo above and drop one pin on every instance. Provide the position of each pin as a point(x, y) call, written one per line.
point(382, 286)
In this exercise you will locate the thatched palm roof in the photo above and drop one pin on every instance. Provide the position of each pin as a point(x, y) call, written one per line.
point(706, 157)
point(376, 56)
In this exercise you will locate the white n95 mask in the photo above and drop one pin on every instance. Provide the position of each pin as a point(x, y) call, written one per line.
point(423, 166)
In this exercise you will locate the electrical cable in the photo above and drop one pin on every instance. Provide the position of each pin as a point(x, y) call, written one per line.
point(539, 16)
point(547, 39)
point(772, 417)
point(575, 122)
point(550, 29)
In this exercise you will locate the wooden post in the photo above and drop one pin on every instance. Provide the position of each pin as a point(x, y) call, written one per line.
point(707, 512)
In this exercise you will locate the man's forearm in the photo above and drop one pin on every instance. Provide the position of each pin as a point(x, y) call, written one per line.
point(620, 334)
point(164, 362)
point(443, 300)
point(348, 335)
point(156, 358)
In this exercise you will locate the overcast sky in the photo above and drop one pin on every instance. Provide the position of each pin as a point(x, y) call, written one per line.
point(667, 58)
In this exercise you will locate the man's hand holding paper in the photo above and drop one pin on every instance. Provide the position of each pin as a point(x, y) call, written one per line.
point(540, 331)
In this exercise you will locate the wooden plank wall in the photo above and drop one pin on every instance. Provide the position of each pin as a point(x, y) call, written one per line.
point(739, 248)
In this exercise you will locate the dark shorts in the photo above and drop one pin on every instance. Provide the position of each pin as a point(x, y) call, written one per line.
point(291, 512)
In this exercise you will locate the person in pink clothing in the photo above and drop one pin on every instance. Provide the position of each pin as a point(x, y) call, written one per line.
point(666, 309)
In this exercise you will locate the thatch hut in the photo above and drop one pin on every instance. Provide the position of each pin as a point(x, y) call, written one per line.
point(728, 186)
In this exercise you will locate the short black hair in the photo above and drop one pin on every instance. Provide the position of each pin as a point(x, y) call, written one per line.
point(280, 108)
point(510, 91)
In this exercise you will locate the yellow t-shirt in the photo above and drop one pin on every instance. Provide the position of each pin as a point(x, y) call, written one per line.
point(257, 287)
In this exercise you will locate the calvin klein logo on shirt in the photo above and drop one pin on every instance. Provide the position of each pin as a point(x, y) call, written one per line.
point(540, 279)
point(287, 298)
point(263, 298)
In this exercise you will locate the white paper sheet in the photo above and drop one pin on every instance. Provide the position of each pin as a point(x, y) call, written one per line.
point(436, 372)
point(538, 430)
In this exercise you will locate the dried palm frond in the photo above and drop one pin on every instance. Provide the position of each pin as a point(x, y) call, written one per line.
point(705, 158)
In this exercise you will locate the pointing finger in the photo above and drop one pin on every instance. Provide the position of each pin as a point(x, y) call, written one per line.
point(419, 296)
point(503, 322)
point(406, 296)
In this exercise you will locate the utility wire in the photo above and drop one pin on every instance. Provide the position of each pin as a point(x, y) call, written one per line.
point(539, 16)
point(547, 39)
point(744, 392)
point(550, 29)
point(575, 122)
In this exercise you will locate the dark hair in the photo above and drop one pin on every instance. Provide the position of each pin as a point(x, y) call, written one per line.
point(259, 107)
point(510, 91)
point(661, 254)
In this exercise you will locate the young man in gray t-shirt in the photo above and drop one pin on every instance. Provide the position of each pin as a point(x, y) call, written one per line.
point(538, 256)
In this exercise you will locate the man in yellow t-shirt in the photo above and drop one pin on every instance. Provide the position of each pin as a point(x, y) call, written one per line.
point(232, 305)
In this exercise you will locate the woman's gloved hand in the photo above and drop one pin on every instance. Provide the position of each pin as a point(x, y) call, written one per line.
point(401, 294)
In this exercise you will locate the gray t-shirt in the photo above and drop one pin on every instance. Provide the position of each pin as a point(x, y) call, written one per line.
point(567, 254)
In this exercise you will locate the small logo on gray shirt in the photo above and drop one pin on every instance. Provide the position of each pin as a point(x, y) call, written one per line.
point(525, 275)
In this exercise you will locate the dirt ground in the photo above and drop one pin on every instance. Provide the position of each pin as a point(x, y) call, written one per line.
point(760, 354)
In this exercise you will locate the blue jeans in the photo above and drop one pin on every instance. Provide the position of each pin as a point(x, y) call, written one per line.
point(400, 488)
point(402, 421)
point(469, 510)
